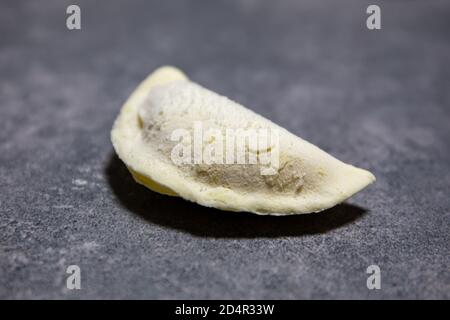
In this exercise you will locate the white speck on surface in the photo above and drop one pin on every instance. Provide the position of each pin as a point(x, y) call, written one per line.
point(63, 206)
point(79, 182)
point(89, 246)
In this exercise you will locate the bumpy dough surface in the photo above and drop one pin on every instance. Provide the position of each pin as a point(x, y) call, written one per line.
point(307, 178)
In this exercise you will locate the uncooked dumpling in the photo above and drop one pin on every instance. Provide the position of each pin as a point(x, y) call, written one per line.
point(180, 139)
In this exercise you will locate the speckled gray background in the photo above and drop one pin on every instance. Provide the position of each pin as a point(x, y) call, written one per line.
point(376, 99)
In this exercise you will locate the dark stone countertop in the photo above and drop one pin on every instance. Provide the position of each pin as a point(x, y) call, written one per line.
point(376, 99)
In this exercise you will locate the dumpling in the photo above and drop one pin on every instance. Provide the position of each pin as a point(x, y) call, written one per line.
point(181, 139)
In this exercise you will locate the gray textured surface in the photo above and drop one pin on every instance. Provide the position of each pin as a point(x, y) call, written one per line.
point(379, 100)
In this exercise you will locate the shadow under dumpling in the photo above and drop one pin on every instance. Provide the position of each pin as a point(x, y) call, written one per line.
point(179, 214)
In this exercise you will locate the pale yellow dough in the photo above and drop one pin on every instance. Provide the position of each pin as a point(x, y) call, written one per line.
point(308, 179)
